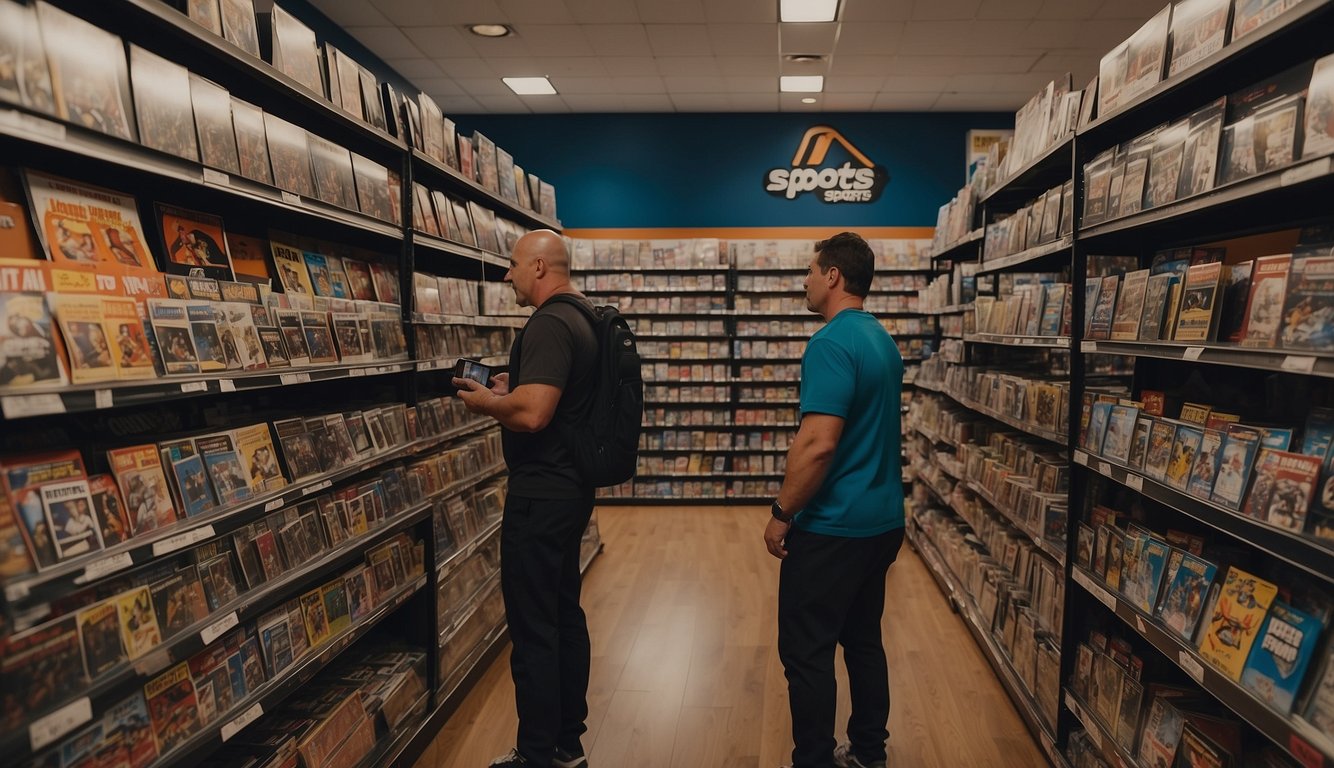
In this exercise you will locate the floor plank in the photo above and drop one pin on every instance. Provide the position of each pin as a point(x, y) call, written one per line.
point(682, 611)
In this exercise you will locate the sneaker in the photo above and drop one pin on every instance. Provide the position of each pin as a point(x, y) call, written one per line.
point(844, 758)
point(565, 759)
point(512, 759)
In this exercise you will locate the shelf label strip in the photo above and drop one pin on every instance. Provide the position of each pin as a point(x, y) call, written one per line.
point(1192, 353)
point(1135, 481)
point(46, 730)
point(255, 712)
point(182, 540)
point(1299, 363)
point(107, 565)
point(20, 406)
point(103, 398)
point(218, 628)
point(1193, 667)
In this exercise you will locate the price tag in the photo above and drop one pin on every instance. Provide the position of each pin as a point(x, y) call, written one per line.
point(1027, 341)
point(216, 629)
point(1105, 468)
point(1105, 597)
point(1299, 363)
point(48, 729)
point(1305, 172)
point(1088, 347)
point(1135, 481)
point(100, 568)
point(294, 378)
point(226, 385)
point(354, 372)
point(245, 718)
point(102, 398)
point(21, 406)
point(16, 592)
point(1193, 667)
point(217, 177)
point(182, 540)
point(316, 487)
point(194, 386)
point(274, 504)
point(1139, 624)
point(1081, 458)
point(153, 662)
point(291, 198)
point(1192, 353)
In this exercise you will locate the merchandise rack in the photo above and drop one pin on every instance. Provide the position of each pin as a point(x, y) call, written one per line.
point(1232, 355)
point(1048, 168)
point(963, 249)
point(1038, 255)
point(1032, 342)
point(1103, 738)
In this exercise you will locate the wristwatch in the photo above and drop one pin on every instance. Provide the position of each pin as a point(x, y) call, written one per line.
point(776, 510)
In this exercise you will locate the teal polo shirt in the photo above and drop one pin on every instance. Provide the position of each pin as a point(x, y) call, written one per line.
point(852, 369)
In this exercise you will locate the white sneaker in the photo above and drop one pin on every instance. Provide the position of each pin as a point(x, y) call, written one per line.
point(844, 758)
point(564, 759)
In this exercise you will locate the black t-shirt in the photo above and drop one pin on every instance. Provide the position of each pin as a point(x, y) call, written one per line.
point(556, 347)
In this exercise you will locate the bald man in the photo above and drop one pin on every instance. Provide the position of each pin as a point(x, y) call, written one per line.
point(551, 368)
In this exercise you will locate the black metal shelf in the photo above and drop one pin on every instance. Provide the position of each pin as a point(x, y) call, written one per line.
point(1034, 342)
point(691, 360)
point(1309, 362)
point(433, 243)
point(1310, 555)
point(1293, 194)
point(935, 437)
point(966, 246)
point(1299, 738)
point(458, 182)
point(485, 321)
point(761, 360)
point(1103, 737)
point(1050, 549)
point(1050, 168)
point(1038, 255)
point(77, 573)
point(953, 309)
point(658, 270)
point(26, 403)
point(704, 474)
point(1031, 429)
point(802, 270)
point(1299, 34)
point(685, 404)
point(654, 291)
point(729, 451)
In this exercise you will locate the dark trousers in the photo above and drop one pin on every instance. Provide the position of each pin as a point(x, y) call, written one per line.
point(539, 576)
point(831, 591)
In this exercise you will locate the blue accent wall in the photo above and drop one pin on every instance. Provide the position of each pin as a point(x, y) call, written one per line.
point(709, 170)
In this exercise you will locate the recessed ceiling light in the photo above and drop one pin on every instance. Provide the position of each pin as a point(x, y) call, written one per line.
point(808, 100)
point(803, 58)
point(807, 10)
point(490, 30)
point(530, 86)
point(801, 83)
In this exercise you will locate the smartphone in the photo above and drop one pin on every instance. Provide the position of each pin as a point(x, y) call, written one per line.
point(471, 369)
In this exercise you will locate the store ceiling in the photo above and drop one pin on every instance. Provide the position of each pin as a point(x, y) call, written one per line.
point(727, 55)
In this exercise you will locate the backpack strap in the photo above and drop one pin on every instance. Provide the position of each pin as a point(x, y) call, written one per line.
point(571, 299)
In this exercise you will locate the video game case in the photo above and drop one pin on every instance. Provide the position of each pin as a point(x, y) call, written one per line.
point(1197, 319)
point(1243, 602)
point(173, 706)
point(40, 666)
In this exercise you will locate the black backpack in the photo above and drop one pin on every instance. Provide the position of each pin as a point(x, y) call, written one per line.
point(605, 443)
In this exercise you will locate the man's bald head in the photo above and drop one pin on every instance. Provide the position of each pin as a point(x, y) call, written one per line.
point(546, 245)
point(539, 267)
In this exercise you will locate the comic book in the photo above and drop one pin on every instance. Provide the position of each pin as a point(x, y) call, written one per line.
point(31, 353)
point(40, 667)
point(259, 458)
point(1282, 489)
point(1100, 320)
point(1159, 453)
point(1185, 449)
point(1202, 475)
point(178, 601)
point(1234, 466)
point(219, 580)
point(83, 224)
point(139, 629)
point(1184, 596)
point(1308, 310)
point(1130, 306)
point(99, 634)
point(173, 706)
point(1242, 604)
point(29, 537)
point(143, 487)
point(90, 357)
point(1198, 319)
point(68, 511)
point(109, 509)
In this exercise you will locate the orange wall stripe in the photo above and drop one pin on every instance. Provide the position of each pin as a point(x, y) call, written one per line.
point(750, 233)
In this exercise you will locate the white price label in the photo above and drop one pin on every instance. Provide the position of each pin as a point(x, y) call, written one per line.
point(1192, 666)
point(316, 487)
point(245, 718)
point(48, 729)
point(1139, 624)
point(274, 504)
point(1105, 468)
point(1027, 341)
point(102, 398)
point(216, 177)
point(291, 198)
point(1105, 597)
point(1192, 353)
point(152, 663)
point(354, 372)
point(16, 592)
point(1081, 458)
point(226, 385)
point(1095, 736)
point(1135, 481)
point(216, 629)
point(1088, 346)
point(294, 378)
point(1299, 363)
point(194, 386)
point(100, 568)
point(20, 406)
point(1307, 171)
point(182, 540)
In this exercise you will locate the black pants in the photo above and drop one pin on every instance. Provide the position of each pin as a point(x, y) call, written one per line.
point(831, 591)
point(539, 576)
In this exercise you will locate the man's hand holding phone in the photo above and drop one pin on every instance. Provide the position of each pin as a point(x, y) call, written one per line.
point(471, 379)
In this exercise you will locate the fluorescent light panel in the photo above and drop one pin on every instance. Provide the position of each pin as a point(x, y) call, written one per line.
point(807, 10)
point(801, 83)
point(530, 86)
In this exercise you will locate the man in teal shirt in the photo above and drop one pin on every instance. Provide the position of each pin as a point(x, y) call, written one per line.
point(838, 520)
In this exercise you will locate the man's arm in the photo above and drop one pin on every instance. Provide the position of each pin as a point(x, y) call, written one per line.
point(527, 408)
point(808, 462)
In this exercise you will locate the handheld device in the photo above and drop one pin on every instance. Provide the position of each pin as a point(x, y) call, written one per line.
point(471, 369)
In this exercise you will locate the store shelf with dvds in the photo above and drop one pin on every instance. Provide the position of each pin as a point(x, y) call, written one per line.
point(963, 249)
point(442, 245)
point(1047, 254)
point(1103, 738)
point(1298, 361)
point(1049, 168)
point(1033, 342)
point(475, 191)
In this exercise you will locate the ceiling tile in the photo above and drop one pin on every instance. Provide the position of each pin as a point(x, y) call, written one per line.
point(639, 86)
point(414, 69)
point(631, 66)
point(554, 39)
point(486, 47)
point(742, 66)
point(646, 103)
point(981, 102)
point(755, 102)
point(593, 102)
point(1138, 11)
point(807, 38)
point(741, 11)
point(688, 66)
point(617, 39)
point(1029, 82)
point(536, 11)
point(580, 86)
point(519, 66)
point(853, 83)
point(679, 39)
point(945, 9)
point(904, 102)
point(752, 84)
point(573, 66)
point(437, 42)
point(957, 65)
point(439, 86)
point(701, 102)
point(849, 102)
point(459, 105)
point(603, 11)
point(974, 37)
point(385, 42)
point(1009, 9)
point(878, 10)
point(411, 13)
point(483, 86)
point(352, 13)
point(1069, 9)
point(549, 106)
point(694, 85)
point(671, 11)
point(510, 104)
point(861, 65)
point(744, 39)
point(469, 67)
point(872, 38)
point(916, 83)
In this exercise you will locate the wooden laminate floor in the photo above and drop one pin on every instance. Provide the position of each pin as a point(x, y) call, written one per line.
point(682, 611)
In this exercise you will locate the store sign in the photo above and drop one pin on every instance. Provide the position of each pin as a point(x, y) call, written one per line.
point(857, 180)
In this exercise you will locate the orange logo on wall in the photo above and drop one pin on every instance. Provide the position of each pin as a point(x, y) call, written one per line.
point(861, 182)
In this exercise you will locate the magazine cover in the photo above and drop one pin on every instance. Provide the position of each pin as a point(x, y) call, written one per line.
point(290, 263)
point(270, 559)
point(336, 609)
point(1185, 449)
point(1238, 156)
point(319, 341)
point(193, 240)
point(175, 342)
point(172, 706)
point(332, 169)
point(252, 145)
point(178, 601)
point(129, 346)
point(196, 493)
point(205, 330)
point(1185, 595)
point(1120, 431)
point(1159, 454)
point(238, 25)
point(80, 318)
point(26, 80)
point(1264, 304)
point(219, 581)
point(213, 123)
point(317, 265)
point(127, 722)
point(1197, 319)
point(255, 445)
point(275, 641)
point(1202, 475)
point(1100, 321)
point(84, 224)
point(138, 624)
point(88, 73)
point(1275, 134)
point(1139, 443)
point(1161, 734)
point(316, 620)
point(224, 467)
point(143, 486)
point(295, 52)
point(289, 326)
point(1200, 157)
point(1199, 29)
point(1155, 306)
point(289, 155)
point(109, 510)
point(548, 198)
point(1319, 119)
point(162, 104)
point(23, 478)
point(487, 173)
point(99, 634)
point(1130, 306)
point(1283, 487)
point(30, 352)
point(68, 511)
point(1278, 663)
point(372, 182)
point(505, 175)
point(1308, 311)
point(40, 667)
point(1241, 607)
